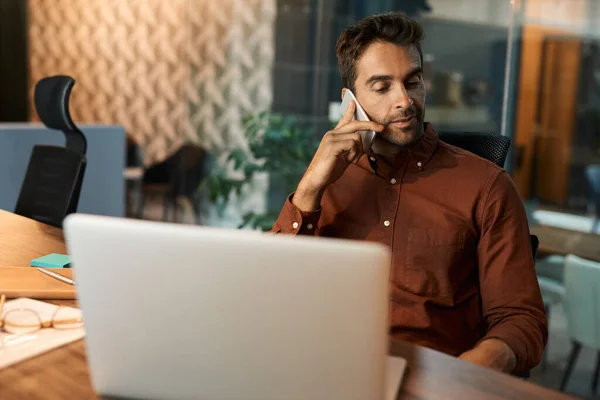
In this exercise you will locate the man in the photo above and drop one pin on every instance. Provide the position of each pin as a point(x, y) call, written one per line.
point(463, 279)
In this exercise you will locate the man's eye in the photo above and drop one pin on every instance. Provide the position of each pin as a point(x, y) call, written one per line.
point(383, 89)
point(414, 84)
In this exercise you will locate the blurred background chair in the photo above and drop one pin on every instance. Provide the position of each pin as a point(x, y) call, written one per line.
point(52, 183)
point(180, 175)
point(582, 307)
point(593, 175)
point(550, 269)
point(133, 175)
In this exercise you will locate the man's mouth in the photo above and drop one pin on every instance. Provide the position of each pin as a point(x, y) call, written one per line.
point(404, 119)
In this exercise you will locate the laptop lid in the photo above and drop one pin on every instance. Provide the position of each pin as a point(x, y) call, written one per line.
point(175, 311)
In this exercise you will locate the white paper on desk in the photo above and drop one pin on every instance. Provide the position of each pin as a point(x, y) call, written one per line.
point(394, 373)
point(18, 348)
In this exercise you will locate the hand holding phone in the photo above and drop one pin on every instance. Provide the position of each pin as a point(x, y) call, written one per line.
point(339, 148)
point(359, 115)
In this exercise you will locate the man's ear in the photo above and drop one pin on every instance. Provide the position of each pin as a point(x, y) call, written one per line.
point(343, 92)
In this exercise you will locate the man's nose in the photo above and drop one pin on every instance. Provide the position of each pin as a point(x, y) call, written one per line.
point(403, 100)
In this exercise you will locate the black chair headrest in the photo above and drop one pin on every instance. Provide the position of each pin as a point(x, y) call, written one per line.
point(490, 146)
point(51, 98)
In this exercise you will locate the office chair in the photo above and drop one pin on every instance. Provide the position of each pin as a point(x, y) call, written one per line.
point(134, 173)
point(593, 176)
point(582, 308)
point(535, 244)
point(552, 270)
point(179, 175)
point(52, 184)
point(486, 145)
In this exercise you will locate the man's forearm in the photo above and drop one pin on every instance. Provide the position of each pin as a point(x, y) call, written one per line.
point(492, 353)
point(307, 199)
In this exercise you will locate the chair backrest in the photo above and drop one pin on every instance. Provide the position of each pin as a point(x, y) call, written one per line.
point(134, 156)
point(51, 98)
point(486, 145)
point(52, 183)
point(535, 244)
point(188, 168)
point(593, 176)
point(184, 170)
point(582, 300)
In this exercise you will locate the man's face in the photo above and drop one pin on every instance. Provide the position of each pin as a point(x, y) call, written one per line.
point(389, 86)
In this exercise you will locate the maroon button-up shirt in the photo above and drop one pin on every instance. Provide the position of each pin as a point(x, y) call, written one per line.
point(462, 266)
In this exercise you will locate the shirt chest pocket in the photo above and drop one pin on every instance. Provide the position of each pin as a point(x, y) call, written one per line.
point(433, 261)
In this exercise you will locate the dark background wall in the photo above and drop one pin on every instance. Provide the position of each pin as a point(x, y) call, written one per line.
point(477, 51)
point(14, 87)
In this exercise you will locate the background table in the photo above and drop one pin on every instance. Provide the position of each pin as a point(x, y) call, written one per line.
point(562, 241)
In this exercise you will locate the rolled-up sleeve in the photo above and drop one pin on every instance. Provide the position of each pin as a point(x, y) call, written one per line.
point(295, 222)
point(512, 305)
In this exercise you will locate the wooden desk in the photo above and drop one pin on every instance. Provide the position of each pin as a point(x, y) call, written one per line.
point(63, 373)
point(22, 240)
point(560, 241)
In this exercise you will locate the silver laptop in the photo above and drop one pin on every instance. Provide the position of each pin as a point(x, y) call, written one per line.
point(184, 312)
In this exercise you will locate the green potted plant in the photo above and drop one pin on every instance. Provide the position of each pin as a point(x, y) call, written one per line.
point(277, 145)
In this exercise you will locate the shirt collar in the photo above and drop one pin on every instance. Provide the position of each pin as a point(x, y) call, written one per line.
point(418, 155)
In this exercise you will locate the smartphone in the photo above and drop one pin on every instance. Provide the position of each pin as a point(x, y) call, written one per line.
point(359, 115)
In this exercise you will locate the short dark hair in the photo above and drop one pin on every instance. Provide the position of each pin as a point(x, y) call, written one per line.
point(393, 27)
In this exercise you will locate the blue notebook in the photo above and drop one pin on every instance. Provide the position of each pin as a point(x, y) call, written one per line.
point(52, 261)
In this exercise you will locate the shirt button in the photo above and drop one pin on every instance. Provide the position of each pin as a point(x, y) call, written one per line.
point(419, 164)
point(372, 159)
point(386, 223)
point(295, 225)
point(309, 226)
point(393, 181)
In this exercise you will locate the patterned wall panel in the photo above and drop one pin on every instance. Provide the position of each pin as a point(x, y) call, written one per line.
point(169, 71)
